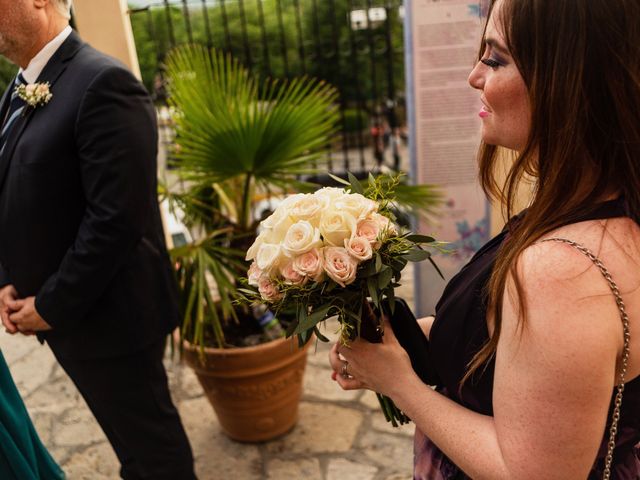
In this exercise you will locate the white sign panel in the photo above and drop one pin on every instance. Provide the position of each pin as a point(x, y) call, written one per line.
point(442, 40)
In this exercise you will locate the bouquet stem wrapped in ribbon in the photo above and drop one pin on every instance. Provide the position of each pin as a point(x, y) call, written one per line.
point(335, 252)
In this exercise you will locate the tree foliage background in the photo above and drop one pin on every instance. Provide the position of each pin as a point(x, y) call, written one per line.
point(7, 73)
point(277, 42)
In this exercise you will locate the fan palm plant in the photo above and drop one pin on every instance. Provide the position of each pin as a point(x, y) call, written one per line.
point(235, 141)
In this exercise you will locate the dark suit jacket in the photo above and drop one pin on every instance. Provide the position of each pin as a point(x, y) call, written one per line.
point(80, 224)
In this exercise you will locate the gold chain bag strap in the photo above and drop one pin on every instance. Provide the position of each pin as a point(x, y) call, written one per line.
point(625, 351)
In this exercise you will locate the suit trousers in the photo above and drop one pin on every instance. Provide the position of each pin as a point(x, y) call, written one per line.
point(129, 397)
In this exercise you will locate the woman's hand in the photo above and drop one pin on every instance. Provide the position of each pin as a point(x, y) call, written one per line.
point(374, 366)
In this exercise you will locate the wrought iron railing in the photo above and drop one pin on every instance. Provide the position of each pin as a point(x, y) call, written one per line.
point(356, 45)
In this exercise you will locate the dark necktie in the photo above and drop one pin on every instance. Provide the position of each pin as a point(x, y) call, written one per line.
point(16, 106)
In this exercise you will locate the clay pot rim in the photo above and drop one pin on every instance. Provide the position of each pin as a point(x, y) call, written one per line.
point(271, 344)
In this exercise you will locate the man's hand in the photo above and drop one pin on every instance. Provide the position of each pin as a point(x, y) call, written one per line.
point(26, 318)
point(8, 294)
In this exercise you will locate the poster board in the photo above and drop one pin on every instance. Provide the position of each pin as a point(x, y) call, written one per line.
point(441, 44)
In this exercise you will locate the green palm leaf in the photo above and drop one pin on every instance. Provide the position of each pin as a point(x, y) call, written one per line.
point(227, 126)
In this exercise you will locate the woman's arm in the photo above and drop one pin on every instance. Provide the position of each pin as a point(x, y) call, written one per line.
point(553, 377)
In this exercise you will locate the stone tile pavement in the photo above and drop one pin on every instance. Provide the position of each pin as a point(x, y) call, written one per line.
point(339, 436)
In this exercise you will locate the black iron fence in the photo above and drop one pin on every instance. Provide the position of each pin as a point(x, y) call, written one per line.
point(356, 45)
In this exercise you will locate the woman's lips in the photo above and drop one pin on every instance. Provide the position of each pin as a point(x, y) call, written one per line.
point(484, 113)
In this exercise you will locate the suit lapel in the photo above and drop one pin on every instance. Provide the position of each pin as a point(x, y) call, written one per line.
point(56, 65)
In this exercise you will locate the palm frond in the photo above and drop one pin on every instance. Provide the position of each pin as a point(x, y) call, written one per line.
point(227, 127)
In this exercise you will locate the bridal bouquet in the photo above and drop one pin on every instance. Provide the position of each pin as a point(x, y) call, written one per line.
point(327, 254)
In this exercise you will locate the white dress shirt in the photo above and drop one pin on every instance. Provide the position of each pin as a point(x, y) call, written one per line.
point(37, 63)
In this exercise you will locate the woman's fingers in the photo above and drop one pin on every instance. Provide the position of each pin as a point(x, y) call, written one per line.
point(334, 359)
point(349, 383)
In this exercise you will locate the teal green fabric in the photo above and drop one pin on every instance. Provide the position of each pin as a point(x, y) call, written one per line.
point(22, 455)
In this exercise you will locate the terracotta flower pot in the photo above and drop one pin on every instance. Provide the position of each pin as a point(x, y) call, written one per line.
point(254, 391)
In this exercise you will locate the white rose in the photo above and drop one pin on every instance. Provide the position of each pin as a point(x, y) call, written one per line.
point(329, 193)
point(254, 274)
point(268, 290)
point(253, 249)
point(309, 208)
point(276, 224)
point(30, 88)
point(359, 248)
point(300, 238)
point(289, 201)
point(291, 275)
point(269, 256)
point(336, 226)
point(357, 205)
point(310, 264)
point(340, 266)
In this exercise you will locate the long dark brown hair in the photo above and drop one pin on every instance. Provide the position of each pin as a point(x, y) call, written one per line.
point(580, 61)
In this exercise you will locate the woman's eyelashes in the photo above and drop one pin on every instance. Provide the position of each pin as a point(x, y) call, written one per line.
point(490, 62)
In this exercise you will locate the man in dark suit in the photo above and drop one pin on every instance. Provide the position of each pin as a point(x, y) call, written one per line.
point(83, 262)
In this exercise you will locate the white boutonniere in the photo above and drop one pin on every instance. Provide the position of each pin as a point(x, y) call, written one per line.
point(34, 94)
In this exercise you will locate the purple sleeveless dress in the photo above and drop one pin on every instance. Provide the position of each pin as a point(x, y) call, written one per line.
point(459, 332)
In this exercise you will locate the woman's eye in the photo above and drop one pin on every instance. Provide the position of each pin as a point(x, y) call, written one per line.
point(491, 63)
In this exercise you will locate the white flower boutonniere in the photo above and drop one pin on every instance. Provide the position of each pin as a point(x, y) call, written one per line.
point(34, 94)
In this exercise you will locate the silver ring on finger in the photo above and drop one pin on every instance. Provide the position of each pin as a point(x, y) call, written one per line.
point(344, 372)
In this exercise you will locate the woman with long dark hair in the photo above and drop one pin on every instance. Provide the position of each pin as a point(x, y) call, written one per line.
point(536, 342)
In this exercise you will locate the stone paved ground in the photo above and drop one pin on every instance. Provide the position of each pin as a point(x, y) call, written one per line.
point(340, 435)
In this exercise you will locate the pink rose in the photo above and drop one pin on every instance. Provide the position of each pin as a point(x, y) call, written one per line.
point(291, 275)
point(359, 248)
point(339, 265)
point(310, 264)
point(254, 274)
point(268, 290)
point(385, 225)
point(369, 229)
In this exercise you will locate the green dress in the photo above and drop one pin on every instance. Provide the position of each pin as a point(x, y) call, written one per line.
point(22, 455)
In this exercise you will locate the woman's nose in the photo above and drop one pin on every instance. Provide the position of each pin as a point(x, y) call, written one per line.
point(476, 77)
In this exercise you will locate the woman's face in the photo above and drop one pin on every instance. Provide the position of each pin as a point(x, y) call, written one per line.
point(506, 113)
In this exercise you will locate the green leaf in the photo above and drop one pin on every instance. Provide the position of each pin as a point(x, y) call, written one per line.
point(331, 285)
point(378, 262)
point(398, 263)
point(416, 255)
point(356, 186)
point(291, 328)
point(372, 286)
point(308, 322)
point(248, 291)
point(384, 278)
point(368, 270)
point(320, 336)
point(391, 296)
point(415, 238)
point(372, 179)
point(339, 180)
point(304, 337)
point(436, 267)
